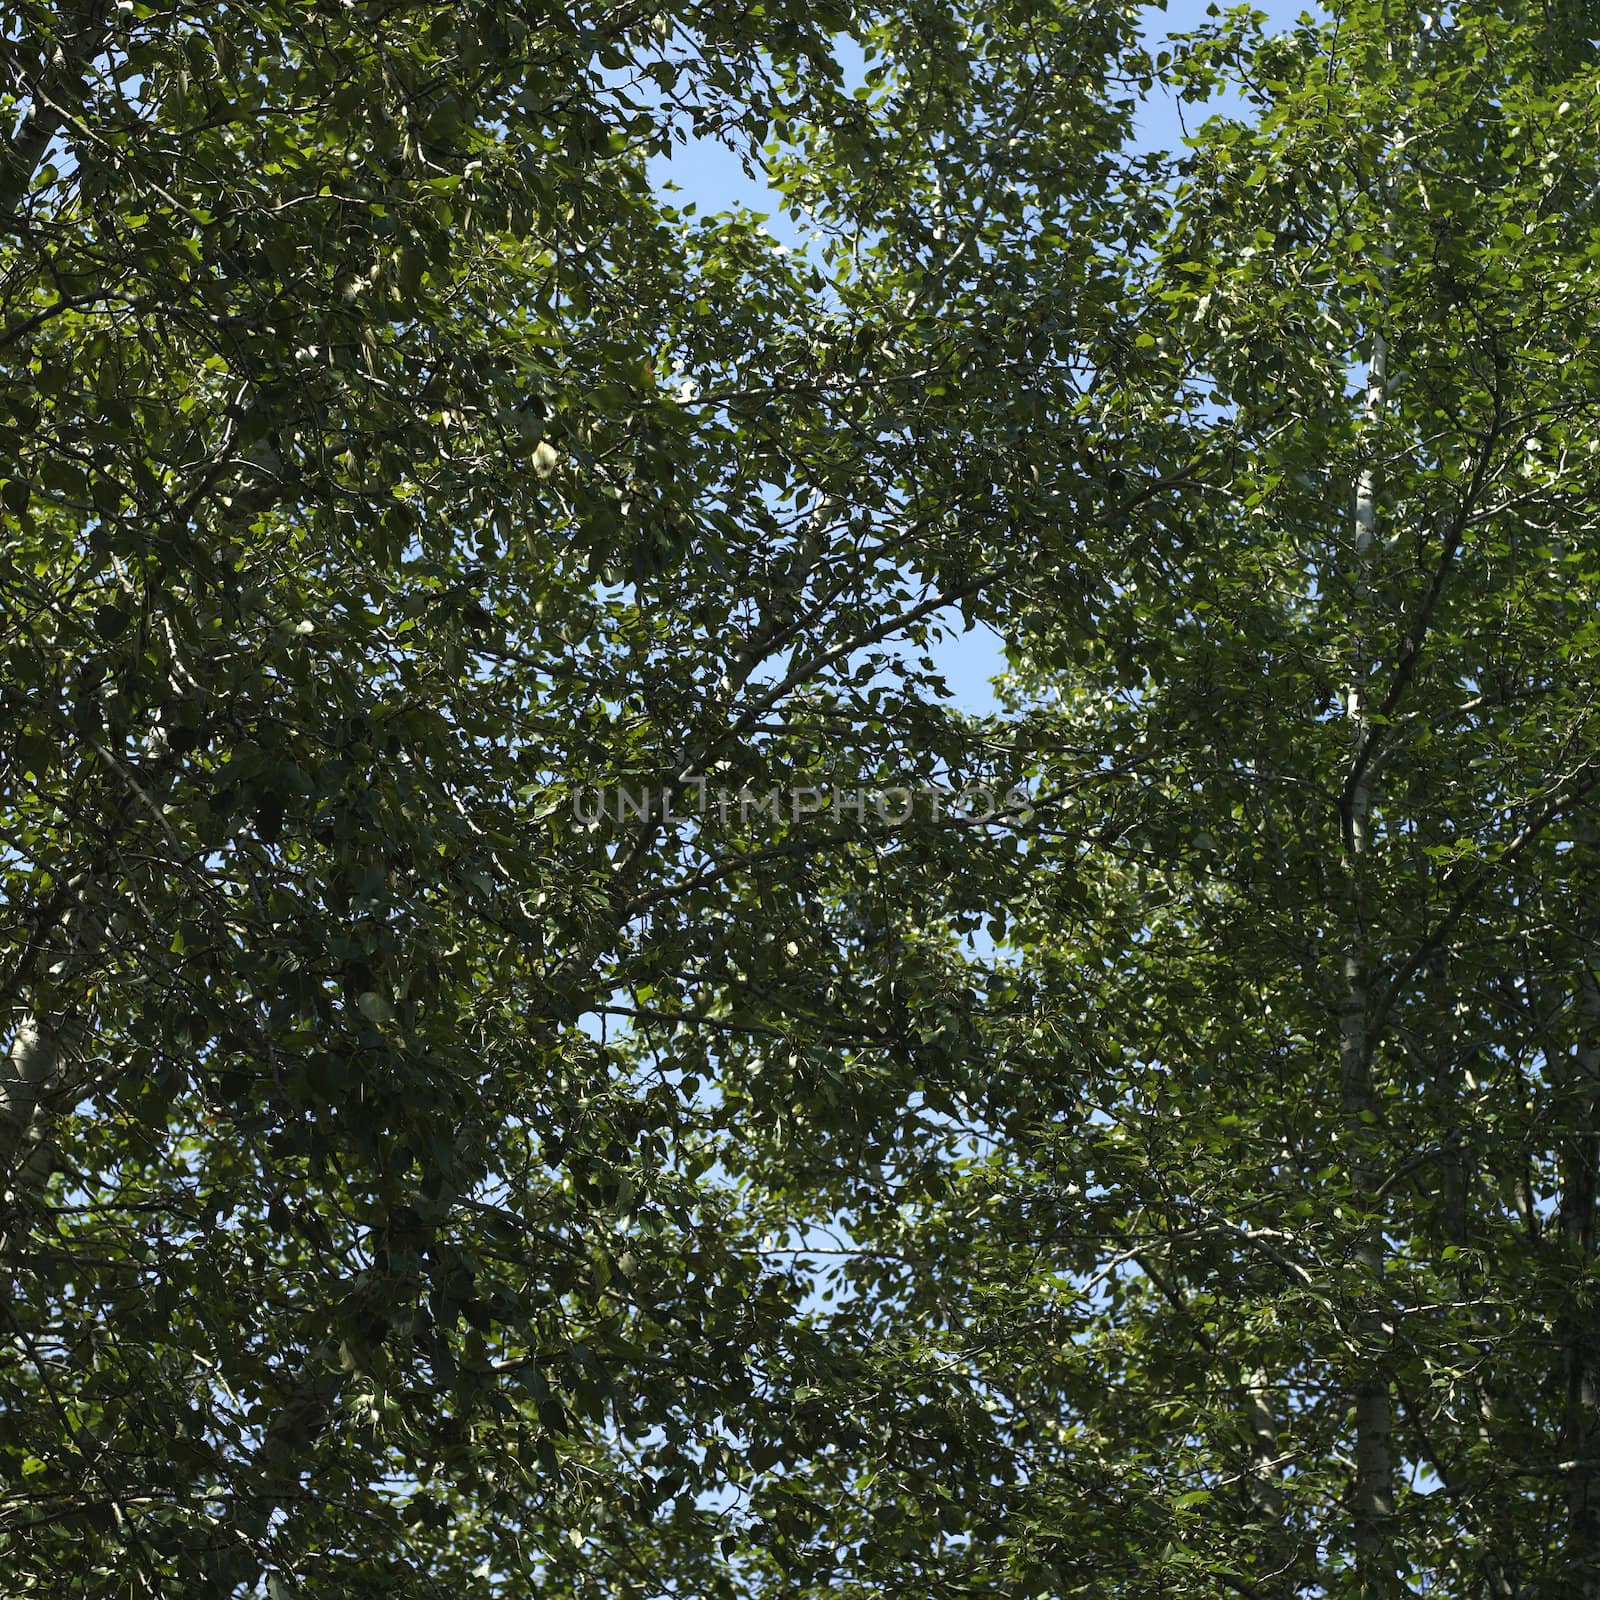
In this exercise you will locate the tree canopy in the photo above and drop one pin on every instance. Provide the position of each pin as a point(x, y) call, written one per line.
point(490, 1108)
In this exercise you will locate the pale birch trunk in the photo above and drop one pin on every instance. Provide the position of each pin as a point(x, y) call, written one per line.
point(1265, 1485)
point(1373, 1497)
point(43, 1067)
point(47, 1067)
point(37, 1071)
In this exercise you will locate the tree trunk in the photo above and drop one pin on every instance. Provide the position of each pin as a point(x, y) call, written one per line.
point(1373, 1497)
point(1580, 1346)
point(38, 1071)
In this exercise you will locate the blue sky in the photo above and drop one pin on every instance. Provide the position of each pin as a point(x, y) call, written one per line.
point(708, 174)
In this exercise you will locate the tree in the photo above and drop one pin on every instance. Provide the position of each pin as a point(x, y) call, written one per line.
point(486, 1109)
point(1250, 1251)
point(386, 467)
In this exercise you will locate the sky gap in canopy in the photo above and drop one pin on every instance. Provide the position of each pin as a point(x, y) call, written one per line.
point(703, 172)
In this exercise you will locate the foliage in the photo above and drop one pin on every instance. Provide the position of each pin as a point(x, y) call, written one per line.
point(1247, 1250)
point(385, 463)
point(415, 1182)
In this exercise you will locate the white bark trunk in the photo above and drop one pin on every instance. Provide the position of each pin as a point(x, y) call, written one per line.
point(1266, 1489)
point(1373, 1498)
point(38, 1070)
point(46, 1069)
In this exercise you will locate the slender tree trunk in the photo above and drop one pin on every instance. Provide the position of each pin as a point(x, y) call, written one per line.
point(1373, 1497)
point(1266, 1490)
point(46, 1067)
point(1579, 1341)
point(42, 1066)
point(1280, 1557)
